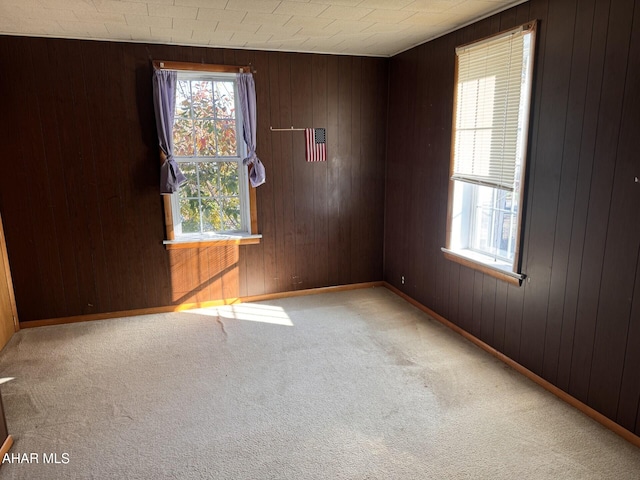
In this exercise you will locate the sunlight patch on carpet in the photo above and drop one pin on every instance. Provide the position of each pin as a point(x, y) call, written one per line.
point(248, 312)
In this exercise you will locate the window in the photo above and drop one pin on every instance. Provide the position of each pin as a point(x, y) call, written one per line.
point(209, 150)
point(490, 126)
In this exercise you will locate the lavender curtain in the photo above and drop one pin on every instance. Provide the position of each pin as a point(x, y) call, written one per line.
point(247, 97)
point(164, 101)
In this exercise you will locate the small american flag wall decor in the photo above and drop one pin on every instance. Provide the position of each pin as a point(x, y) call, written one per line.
point(315, 144)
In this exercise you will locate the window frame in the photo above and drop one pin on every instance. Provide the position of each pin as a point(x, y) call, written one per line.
point(248, 199)
point(467, 256)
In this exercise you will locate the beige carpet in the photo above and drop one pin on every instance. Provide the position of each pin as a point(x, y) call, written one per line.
point(351, 385)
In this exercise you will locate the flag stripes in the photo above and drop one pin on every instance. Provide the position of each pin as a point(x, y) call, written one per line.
point(315, 144)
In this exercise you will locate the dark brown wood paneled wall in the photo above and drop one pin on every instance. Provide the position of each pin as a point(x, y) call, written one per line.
point(576, 320)
point(81, 204)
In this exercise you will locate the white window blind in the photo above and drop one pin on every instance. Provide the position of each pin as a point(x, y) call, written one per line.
point(488, 100)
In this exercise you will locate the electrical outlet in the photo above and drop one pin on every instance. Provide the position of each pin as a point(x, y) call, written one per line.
point(402, 279)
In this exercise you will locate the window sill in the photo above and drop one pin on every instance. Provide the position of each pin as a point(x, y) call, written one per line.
point(204, 241)
point(476, 261)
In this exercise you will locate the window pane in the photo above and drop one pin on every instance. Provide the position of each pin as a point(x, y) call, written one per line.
point(482, 219)
point(211, 215)
point(202, 99)
point(507, 236)
point(229, 178)
point(205, 138)
point(209, 179)
point(218, 193)
point(225, 100)
point(183, 99)
point(183, 138)
point(205, 119)
point(231, 214)
point(494, 222)
point(190, 187)
point(226, 138)
point(190, 212)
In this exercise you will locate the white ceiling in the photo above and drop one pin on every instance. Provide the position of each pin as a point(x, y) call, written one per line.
point(357, 27)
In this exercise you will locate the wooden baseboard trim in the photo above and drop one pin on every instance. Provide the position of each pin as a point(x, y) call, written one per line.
point(191, 306)
point(561, 394)
point(6, 446)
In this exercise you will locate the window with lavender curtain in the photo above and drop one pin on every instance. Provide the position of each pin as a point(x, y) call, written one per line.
point(164, 100)
point(247, 97)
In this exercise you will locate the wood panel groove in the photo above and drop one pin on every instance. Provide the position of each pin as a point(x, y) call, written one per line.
point(628, 407)
point(622, 235)
point(561, 279)
point(600, 192)
point(594, 69)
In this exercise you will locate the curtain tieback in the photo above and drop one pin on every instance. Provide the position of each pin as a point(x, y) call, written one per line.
point(257, 176)
point(170, 176)
point(250, 160)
